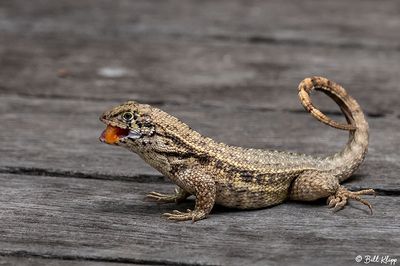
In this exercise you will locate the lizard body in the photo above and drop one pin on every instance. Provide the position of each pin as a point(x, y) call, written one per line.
point(240, 177)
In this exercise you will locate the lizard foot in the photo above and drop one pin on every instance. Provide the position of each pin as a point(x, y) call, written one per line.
point(185, 216)
point(339, 200)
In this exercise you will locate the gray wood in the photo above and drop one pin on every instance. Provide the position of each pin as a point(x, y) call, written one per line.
point(361, 23)
point(36, 260)
point(220, 66)
point(195, 73)
point(133, 36)
point(61, 136)
point(99, 219)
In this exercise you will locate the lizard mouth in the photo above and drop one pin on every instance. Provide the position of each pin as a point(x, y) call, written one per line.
point(113, 134)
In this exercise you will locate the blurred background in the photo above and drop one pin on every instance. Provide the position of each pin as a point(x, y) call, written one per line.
point(230, 69)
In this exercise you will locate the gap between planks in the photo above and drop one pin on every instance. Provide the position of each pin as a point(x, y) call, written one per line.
point(80, 259)
point(143, 178)
point(166, 102)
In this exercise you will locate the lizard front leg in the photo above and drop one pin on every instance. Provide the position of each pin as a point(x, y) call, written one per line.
point(313, 185)
point(179, 196)
point(202, 185)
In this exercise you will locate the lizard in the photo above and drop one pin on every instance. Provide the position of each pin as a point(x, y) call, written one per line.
point(236, 177)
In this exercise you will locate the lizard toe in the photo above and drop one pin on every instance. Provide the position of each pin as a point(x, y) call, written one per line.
point(160, 197)
point(332, 201)
point(340, 204)
point(176, 215)
point(339, 200)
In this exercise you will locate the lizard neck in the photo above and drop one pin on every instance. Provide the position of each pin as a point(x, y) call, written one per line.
point(173, 144)
point(180, 135)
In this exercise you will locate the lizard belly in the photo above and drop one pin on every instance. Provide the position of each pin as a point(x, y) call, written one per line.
point(253, 193)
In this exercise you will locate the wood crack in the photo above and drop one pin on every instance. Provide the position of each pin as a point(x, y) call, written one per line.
point(35, 171)
point(260, 39)
point(22, 253)
point(162, 103)
point(143, 178)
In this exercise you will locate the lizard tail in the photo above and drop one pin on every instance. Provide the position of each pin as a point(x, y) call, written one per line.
point(344, 163)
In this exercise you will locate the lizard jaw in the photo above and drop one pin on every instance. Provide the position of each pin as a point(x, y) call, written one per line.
point(114, 135)
point(132, 135)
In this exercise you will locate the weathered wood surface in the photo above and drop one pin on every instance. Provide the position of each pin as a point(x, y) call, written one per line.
point(45, 38)
point(229, 69)
point(100, 219)
point(65, 261)
point(361, 23)
point(195, 72)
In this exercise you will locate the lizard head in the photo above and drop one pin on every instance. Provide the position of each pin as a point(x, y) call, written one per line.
point(126, 123)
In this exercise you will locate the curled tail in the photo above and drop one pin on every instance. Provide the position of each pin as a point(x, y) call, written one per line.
point(344, 163)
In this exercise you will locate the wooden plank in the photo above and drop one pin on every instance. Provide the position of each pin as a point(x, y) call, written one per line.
point(34, 261)
point(359, 23)
point(192, 70)
point(96, 219)
point(61, 136)
point(188, 73)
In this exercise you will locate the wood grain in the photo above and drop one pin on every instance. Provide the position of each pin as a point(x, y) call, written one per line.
point(132, 37)
point(230, 69)
point(65, 261)
point(95, 219)
point(195, 73)
point(361, 23)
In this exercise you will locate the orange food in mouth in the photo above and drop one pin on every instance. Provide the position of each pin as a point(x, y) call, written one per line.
point(111, 134)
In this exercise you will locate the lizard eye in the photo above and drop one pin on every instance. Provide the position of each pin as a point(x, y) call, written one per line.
point(127, 116)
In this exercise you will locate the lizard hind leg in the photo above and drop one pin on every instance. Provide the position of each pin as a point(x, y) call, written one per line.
point(313, 185)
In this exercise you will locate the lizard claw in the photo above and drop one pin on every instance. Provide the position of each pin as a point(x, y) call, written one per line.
point(178, 197)
point(339, 200)
point(176, 215)
point(160, 197)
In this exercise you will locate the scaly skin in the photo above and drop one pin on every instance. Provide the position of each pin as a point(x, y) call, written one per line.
point(237, 177)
